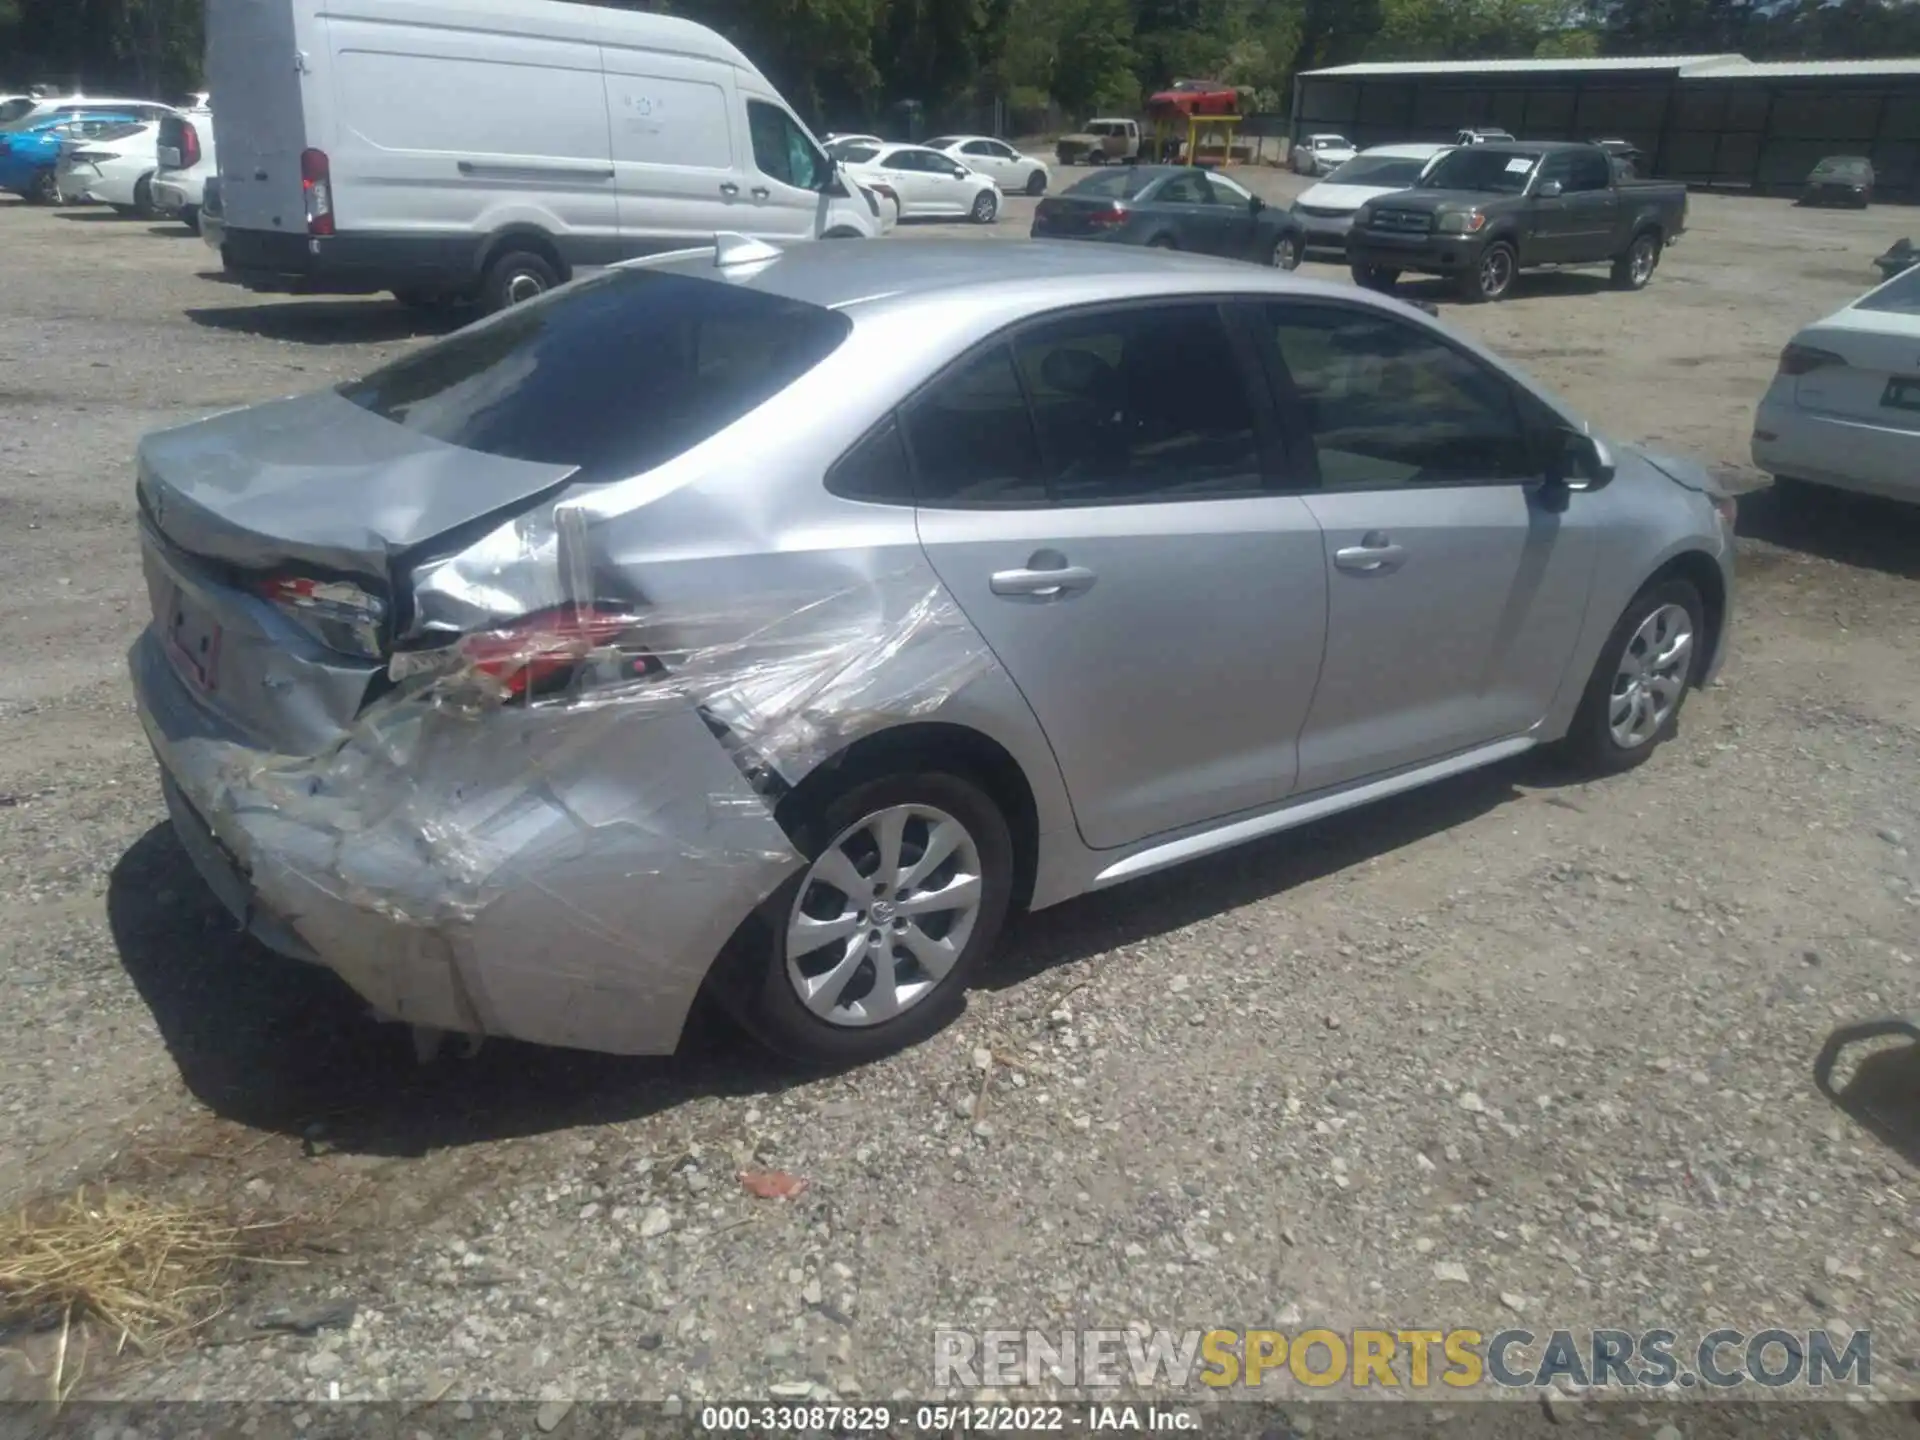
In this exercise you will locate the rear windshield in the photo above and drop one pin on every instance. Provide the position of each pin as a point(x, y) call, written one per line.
point(1482, 168)
point(1121, 184)
point(1378, 170)
point(1900, 296)
point(616, 375)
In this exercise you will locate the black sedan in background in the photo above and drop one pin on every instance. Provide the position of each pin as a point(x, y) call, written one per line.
point(1173, 207)
point(1840, 180)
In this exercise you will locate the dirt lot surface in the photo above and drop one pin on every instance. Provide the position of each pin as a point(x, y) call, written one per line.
point(1512, 1050)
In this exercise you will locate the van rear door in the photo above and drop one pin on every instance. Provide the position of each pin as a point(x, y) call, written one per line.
point(255, 66)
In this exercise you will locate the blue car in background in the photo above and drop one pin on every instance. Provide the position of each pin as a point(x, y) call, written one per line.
point(29, 152)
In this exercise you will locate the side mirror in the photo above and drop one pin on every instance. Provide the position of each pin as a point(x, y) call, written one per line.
point(1584, 462)
point(1255, 204)
point(1551, 190)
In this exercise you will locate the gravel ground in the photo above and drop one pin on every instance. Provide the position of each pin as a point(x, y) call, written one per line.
point(1510, 1049)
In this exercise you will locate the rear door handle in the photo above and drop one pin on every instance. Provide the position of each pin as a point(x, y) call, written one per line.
point(1374, 555)
point(761, 192)
point(1043, 584)
point(729, 188)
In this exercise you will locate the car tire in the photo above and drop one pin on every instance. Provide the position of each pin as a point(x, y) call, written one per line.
point(190, 217)
point(761, 977)
point(516, 276)
point(1375, 277)
point(1632, 270)
point(1613, 730)
point(1491, 277)
point(44, 190)
point(986, 208)
point(1037, 183)
point(1288, 252)
point(143, 205)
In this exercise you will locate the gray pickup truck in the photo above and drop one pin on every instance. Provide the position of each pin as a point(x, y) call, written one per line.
point(1486, 212)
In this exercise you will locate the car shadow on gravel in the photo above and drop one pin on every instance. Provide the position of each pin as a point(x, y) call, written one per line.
point(331, 322)
point(284, 1047)
point(1159, 904)
point(1882, 1094)
point(1862, 531)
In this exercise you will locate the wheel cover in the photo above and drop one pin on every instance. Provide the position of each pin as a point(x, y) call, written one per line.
point(1286, 253)
point(523, 285)
point(1642, 261)
point(1651, 677)
point(1496, 271)
point(984, 207)
point(883, 915)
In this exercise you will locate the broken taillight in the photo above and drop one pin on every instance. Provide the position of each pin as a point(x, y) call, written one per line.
point(548, 652)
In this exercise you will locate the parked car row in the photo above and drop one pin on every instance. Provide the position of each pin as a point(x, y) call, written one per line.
point(134, 155)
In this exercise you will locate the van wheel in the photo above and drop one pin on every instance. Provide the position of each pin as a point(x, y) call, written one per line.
point(869, 949)
point(143, 205)
point(514, 277)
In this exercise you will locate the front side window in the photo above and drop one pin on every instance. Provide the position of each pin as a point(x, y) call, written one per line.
point(1140, 405)
point(1387, 405)
point(781, 149)
point(616, 375)
point(1226, 192)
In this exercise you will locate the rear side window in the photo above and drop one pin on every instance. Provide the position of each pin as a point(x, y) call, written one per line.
point(972, 438)
point(616, 376)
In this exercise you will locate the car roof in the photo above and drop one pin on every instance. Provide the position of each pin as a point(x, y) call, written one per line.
point(1540, 147)
point(1408, 152)
point(854, 277)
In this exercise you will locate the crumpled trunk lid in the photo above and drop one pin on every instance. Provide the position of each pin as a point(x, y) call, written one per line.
point(277, 543)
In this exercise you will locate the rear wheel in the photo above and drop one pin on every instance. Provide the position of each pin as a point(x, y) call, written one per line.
point(1633, 698)
point(870, 948)
point(1491, 277)
point(986, 208)
point(143, 205)
point(516, 276)
point(1635, 268)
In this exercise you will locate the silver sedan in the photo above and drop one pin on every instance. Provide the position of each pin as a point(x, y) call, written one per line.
point(780, 623)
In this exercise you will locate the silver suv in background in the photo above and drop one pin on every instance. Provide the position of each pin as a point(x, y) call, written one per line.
point(779, 623)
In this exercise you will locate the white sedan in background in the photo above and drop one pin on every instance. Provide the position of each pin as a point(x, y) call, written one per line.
point(1322, 154)
point(1012, 171)
point(1326, 210)
point(1844, 407)
point(925, 182)
point(114, 167)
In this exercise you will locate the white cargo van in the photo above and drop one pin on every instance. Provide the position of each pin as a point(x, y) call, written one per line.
point(482, 149)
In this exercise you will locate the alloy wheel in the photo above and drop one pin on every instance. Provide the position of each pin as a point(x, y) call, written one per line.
point(883, 915)
point(1651, 677)
point(1496, 271)
point(1642, 260)
point(523, 287)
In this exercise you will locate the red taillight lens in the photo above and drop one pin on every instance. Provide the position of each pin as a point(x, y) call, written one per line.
point(1804, 359)
point(1115, 216)
point(316, 181)
point(189, 146)
point(541, 654)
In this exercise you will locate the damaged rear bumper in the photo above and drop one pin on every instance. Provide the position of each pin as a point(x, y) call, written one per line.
point(556, 876)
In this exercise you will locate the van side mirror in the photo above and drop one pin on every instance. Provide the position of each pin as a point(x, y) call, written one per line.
point(1551, 189)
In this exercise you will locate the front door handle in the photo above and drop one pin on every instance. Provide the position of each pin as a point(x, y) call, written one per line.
point(761, 192)
point(1043, 584)
point(729, 189)
point(1374, 555)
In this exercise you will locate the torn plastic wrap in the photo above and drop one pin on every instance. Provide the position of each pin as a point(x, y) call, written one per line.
point(549, 828)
